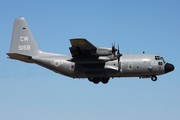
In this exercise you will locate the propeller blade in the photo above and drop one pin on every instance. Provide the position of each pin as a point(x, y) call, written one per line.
point(113, 49)
point(118, 49)
point(118, 57)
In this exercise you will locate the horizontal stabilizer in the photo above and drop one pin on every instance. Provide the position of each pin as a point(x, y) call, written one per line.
point(20, 57)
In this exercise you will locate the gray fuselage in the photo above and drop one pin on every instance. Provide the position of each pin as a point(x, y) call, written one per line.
point(131, 65)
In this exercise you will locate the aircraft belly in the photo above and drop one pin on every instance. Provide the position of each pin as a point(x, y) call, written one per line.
point(94, 70)
point(87, 70)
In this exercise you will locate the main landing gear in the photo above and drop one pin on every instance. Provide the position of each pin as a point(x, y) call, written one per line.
point(153, 78)
point(96, 80)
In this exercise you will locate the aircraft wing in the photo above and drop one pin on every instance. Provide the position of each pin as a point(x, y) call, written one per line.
point(81, 51)
point(81, 48)
point(82, 43)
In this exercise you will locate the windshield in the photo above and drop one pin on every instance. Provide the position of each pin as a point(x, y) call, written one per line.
point(159, 58)
point(162, 59)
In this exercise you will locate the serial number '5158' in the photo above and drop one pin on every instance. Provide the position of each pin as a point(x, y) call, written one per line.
point(24, 47)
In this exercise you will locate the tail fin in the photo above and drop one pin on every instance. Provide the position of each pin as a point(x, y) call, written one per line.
point(22, 41)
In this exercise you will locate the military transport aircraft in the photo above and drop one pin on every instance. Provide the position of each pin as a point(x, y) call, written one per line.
point(97, 64)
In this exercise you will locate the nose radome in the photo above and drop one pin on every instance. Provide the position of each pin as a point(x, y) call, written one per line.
point(169, 67)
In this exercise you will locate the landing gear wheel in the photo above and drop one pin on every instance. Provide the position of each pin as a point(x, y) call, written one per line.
point(153, 78)
point(105, 80)
point(96, 81)
point(91, 79)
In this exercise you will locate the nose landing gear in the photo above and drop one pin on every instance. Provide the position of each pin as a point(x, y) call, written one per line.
point(153, 78)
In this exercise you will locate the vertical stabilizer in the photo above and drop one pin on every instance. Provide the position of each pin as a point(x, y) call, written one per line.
point(22, 41)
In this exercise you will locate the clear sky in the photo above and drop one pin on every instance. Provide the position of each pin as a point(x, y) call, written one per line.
point(31, 92)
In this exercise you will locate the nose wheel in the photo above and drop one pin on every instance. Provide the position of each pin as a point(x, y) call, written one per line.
point(153, 78)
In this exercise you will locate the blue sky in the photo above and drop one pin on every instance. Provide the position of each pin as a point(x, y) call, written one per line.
point(28, 91)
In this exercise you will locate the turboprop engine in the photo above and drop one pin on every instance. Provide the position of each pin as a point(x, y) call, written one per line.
point(103, 51)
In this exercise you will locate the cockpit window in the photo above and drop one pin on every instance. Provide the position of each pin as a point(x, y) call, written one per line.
point(157, 57)
point(160, 63)
point(163, 59)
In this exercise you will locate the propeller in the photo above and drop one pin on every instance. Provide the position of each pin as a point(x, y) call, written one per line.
point(118, 57)
point(113, 49)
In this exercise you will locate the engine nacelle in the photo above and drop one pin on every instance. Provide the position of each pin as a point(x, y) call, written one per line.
point(103, 51)
point(107, 58)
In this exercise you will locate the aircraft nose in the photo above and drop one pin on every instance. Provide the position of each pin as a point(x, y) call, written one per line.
point(169, 67)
